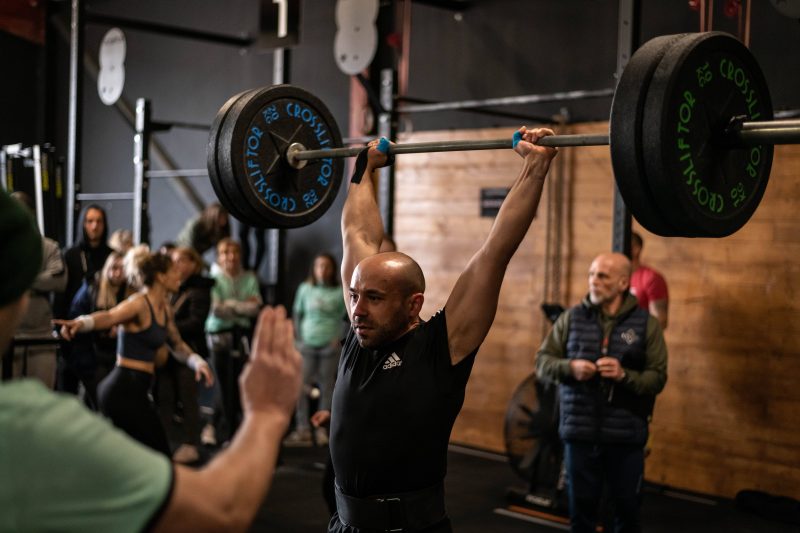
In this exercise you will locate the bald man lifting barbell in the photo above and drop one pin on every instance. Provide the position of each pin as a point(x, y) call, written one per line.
point(401, 380)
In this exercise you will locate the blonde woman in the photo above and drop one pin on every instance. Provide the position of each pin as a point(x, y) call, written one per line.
point(93, 355)
point(121, 240)
point(146, 323)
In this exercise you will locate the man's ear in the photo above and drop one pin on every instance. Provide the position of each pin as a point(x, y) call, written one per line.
point(417, 299)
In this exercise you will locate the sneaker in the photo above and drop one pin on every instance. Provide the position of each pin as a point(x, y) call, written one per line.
point(186, 454)
point(298, 438)
point(209, 435)
point(321, 437)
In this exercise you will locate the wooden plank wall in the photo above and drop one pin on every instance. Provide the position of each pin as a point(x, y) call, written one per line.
point(729, 416)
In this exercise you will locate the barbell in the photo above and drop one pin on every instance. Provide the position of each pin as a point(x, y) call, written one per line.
point(691, 138)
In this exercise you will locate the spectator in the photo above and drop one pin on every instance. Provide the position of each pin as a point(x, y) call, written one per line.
point(205, 230)
point(235, 301)
point(40, 360)
point(190, 307)
point(318, 311)
point(83, 261)
point(610, 361)
point(121, 241)
point(648, 285)
point(93, 355)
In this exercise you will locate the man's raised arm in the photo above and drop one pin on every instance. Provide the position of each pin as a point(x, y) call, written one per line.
point(362, 227)
point(226, 494)
point(472, 304)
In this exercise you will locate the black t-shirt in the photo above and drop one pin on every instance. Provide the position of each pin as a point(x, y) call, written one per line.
point(393, 410)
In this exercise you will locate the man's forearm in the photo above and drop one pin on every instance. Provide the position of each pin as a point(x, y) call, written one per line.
point(517, 212)
point(230, 490)
point(254, 449)
point(361, 216)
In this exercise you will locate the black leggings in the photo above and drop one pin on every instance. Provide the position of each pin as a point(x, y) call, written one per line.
point(124, 397)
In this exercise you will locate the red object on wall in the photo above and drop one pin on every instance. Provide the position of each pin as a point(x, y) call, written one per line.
point(23, 18)
point(394, 40)
point(694, 5)
point(732, 8)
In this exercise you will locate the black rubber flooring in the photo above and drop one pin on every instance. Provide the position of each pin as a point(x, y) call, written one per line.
point(476, 499)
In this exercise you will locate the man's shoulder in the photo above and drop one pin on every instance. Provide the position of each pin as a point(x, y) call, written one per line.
point(28, 407)
point(646, 271)
point(436, 322)
point(24, 393)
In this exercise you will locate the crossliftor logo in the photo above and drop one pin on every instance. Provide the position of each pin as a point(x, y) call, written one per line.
point(392, 361)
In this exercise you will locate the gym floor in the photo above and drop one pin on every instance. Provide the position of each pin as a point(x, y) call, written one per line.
point(476, 487)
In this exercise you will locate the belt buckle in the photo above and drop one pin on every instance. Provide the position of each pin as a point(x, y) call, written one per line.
point(390, 503)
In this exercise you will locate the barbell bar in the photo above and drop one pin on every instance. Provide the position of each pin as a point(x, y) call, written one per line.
point(759, 132)
point(691, 135)
point(769, 132)
point(297, 152)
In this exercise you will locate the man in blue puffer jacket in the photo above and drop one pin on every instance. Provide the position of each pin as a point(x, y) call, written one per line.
point(609, 358)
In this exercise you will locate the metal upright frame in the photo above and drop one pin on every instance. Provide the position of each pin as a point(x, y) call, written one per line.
point(627, 42)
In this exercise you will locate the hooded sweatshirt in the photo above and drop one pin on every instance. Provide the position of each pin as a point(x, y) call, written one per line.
point(83, 261)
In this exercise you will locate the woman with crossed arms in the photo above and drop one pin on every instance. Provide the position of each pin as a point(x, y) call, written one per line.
point(146, 323)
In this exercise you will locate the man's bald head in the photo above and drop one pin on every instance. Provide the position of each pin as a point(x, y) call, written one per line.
point(386, 295)
point(609, 278)
point(399, 270)
point(619, 263)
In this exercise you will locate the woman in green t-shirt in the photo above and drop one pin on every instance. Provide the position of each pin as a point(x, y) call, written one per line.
point(318, 313)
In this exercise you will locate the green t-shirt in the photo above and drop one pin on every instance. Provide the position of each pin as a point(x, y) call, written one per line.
point(63, 468)
point(239, 288)
point(319, 310)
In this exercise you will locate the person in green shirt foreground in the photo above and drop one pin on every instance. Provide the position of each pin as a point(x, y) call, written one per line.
point(66, 469)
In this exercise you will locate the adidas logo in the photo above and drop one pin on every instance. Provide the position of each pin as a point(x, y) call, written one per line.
point(392, 362)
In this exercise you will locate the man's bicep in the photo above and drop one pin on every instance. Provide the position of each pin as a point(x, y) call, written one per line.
point(472, 305)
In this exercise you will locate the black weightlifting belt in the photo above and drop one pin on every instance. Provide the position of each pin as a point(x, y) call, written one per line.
point(406, 511)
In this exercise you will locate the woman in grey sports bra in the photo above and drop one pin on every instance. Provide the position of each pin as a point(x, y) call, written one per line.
point(146, 325)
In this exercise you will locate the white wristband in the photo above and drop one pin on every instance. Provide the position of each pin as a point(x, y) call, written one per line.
point(195, 362)
point(86, 323)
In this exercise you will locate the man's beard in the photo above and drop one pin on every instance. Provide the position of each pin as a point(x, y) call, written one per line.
point(378, 335)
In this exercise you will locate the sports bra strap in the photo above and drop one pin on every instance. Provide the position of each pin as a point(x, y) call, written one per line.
point(153, 314)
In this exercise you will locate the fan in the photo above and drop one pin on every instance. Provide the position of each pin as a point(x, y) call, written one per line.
point(534, 449)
